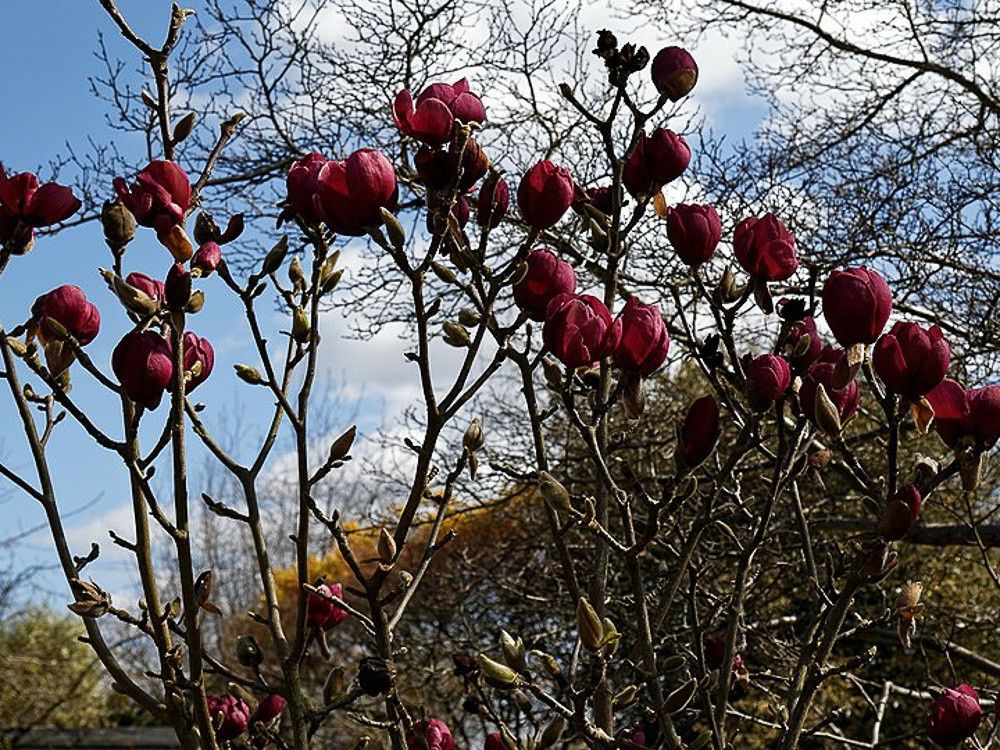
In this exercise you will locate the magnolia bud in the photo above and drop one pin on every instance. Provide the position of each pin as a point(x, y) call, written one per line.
point(589, 626)
point(552, 733)
point(553, 492)
point(456, 335)
point(296, 274)
point(300, 325)
point(473, 439)
point(513, 652)
point(497, 674)
point(205, 228)
point(827, 416)
point(386, 546)
point(394, 229)
point(468, 316)
point(248, 374)
point(177, 288)
point(275, 256)
point(342, 445)
point(196, 302)
point(119, 225)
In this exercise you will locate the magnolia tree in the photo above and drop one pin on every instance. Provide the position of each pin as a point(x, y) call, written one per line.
point(496, 285)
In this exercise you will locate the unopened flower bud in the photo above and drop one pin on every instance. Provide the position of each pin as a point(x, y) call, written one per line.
point(497, 674)
point(177, 288)
point(513, 651)
point(588, 625)
point(473, 439)
point(248, 374)
point(296, 274)
point(386, 546)
point(456, 335)
point(553, 492)
point(300, 325)
point(206, 259)
point(119, 225)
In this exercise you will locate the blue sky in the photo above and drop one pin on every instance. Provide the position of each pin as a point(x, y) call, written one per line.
point(46, 53)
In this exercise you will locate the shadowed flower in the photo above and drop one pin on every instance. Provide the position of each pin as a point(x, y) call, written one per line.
point(579, 330)
point(544, 195)
point(856, 304)
point(546, 278)
point(911, 360)
point(765, 248)
point(143, 365)
point(644, 339)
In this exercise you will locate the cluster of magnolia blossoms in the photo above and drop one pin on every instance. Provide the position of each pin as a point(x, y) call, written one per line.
point(63, 321)
point(232, 717)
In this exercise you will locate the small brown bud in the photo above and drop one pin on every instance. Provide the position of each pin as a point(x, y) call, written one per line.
point(468, 316)
point(184, 127)
point(474, 439)
point(589, 626)
point(456, 335)
point(386, 547)
point(678, 699)
point(119, 225)
point(342, 445)
point(553, 492)
point(275, 256)
point(91, 599)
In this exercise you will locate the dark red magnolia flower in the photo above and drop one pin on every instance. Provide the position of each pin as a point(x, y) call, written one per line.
point(68, 306)
point(159, 198)
point(694, 232)
point(144, 366)
point(765, 248)
point(644, 339)
point(911, 360)
point(229, 714)
point(846, 399)
point(494, 742)
point(674, 72)
point(353, 192)
point(966, 414)
point(269, 709)
point(856, 304)
point(547, 277)
point(768, 378)
point(699, 433)
point(579, 330)
point(177, 287)
point(206, 259)
point(437, 167)
point(302, 184)
point(643, 734)
point(432, 734)
point(804, 359)
point(437, 108)
point(152, 287)
point(954, 715)
point(199, 359)
point(27, 204)
point(901, 510)
point(320, 611)
point(545, 193)
point(493, 201)
point(658, 158)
